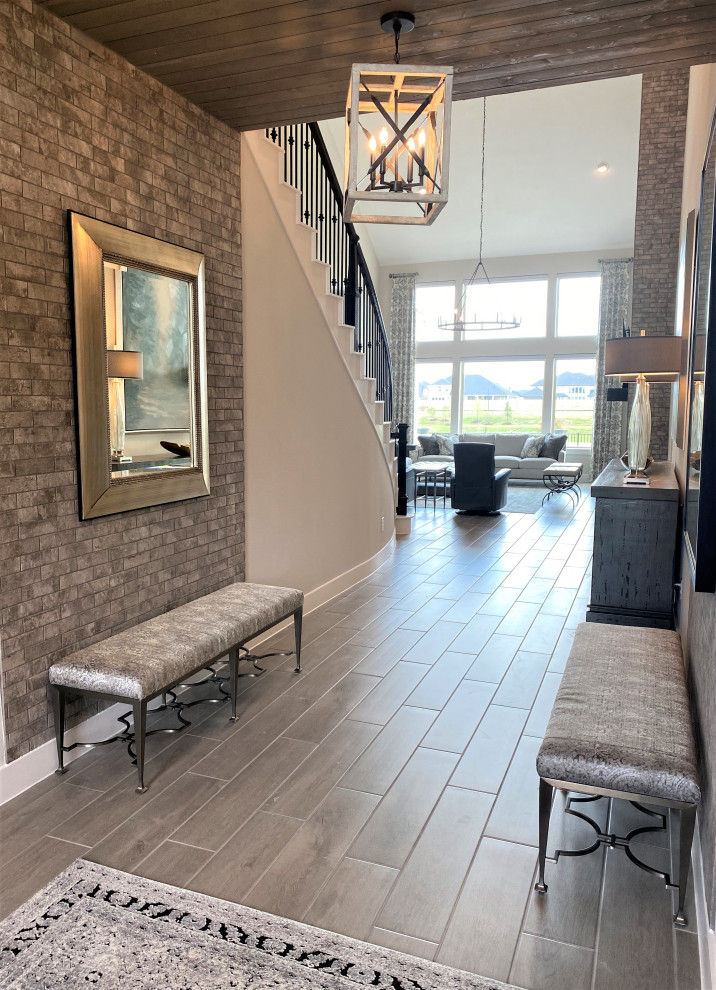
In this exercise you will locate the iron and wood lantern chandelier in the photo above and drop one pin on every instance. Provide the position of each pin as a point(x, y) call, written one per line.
point(474, 320)
point(397, 138)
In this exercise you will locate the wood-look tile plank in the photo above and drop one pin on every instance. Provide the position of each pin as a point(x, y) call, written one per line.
point(488, 582)
point(466, 607)
point(485, 926)
point(543, 634)
point(231, 872)
point(438, 684)
point(351, 898)
point(514, 815)
point(315, 724)
point(625, 956)
point(494, 659)
point(301, 792)
point(90, 825)
point(688, 966)
point(173, 863)
point(542, 708)
point(261, 692)
point(321, 648)
point(317, 682)
point(379, 629)
point(486, 759)
point(231, 807)
point(423, 897)
point(433, 643)
point(378, 766)
point(292, 881)
point(24, 821)
point(537, 591)
point(395, 825)
point(542, 964)
point(384, 657)
point(456, 723)
point(476, 634)
point(501, 601)
point(522, 681)
point(387, 697)
point(34, 867)
point(569, 911)
point(454, 589)
point(365, 614)
point(130, 842)
point(402, 943)
point(561, 651)
point(519, 619)
point(428, 615)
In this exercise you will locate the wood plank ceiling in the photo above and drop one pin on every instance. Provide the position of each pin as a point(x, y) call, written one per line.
point(252, 63)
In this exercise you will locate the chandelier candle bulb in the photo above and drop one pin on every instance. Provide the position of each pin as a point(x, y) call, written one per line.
point(411, 160)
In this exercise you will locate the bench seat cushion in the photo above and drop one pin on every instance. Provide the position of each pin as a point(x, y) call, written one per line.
point(621, 719)
point(141, 661)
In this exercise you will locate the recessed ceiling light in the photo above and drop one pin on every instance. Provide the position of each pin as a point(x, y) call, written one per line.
point(603, 167)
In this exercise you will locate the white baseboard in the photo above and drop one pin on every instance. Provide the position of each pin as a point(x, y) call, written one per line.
point(706, 935)
point(41, 762)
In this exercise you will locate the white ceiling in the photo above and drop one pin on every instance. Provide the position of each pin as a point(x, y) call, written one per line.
point(542, 192)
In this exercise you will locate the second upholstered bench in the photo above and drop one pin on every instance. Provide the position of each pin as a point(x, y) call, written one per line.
point(621, 728)
point(146, 661)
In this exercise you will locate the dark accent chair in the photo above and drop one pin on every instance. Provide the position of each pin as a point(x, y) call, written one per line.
point(476, 486)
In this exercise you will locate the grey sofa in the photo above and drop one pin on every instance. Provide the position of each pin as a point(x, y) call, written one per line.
point(508, 454)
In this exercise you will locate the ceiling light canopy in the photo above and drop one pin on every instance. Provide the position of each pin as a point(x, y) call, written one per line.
point(397, 137)
point(603, 167)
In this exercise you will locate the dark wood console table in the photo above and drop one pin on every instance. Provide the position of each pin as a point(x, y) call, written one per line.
point(635, 542)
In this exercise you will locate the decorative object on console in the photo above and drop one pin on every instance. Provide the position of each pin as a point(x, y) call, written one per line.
point(478, 320)
point(180, 449)
point(164, 312)
point(633, 358)
point(397, 137)
point(120, 365)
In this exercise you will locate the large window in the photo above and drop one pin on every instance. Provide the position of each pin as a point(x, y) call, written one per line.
point(524, 298)
point(433, 396)
point(431, 302)
point(502, 396)
point(574, 384)
point(578, 305)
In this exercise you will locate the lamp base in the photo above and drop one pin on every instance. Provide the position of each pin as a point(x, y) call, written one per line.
point(121, 459)
point(633, 473)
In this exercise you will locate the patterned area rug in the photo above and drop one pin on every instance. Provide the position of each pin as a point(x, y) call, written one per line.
point(97, 927)
point(528, 499)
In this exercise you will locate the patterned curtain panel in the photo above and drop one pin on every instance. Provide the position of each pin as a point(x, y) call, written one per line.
point(613, 309)
point(402, 347)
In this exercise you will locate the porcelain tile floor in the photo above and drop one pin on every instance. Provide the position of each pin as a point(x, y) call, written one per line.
point(389, 791)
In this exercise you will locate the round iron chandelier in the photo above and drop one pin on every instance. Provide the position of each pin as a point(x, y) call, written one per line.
point(476, 321)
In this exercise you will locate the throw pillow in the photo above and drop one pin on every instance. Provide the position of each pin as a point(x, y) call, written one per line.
point(533, 446)
point(429, 444)
point(553, 445)
point(446, 443)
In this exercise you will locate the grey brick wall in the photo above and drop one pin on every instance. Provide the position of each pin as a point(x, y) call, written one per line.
point(82, 129)
point(662, 137)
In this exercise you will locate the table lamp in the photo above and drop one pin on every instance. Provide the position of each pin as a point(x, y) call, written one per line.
point(638, 359)
point(120, 365)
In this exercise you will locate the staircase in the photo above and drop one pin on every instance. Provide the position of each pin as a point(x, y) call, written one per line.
point(296, 168)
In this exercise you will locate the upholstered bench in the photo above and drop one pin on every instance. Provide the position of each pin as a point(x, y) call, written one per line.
point(146, 661)
point(621, 728)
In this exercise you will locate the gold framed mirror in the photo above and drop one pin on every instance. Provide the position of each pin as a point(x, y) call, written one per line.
point(140, 369)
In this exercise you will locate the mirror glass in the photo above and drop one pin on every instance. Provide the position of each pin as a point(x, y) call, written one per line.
point(702, 302)
point(148, 324)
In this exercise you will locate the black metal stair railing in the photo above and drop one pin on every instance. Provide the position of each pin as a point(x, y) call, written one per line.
point(307, 167)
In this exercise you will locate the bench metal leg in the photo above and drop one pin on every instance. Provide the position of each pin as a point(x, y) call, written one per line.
point(545, 808)
point(234, 678)
point(686, 838)
point(298, 625)
point(58, 706)
point(140, 733)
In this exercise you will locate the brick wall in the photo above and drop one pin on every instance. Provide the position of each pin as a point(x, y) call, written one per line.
point(664, 100)
point(81, 129)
